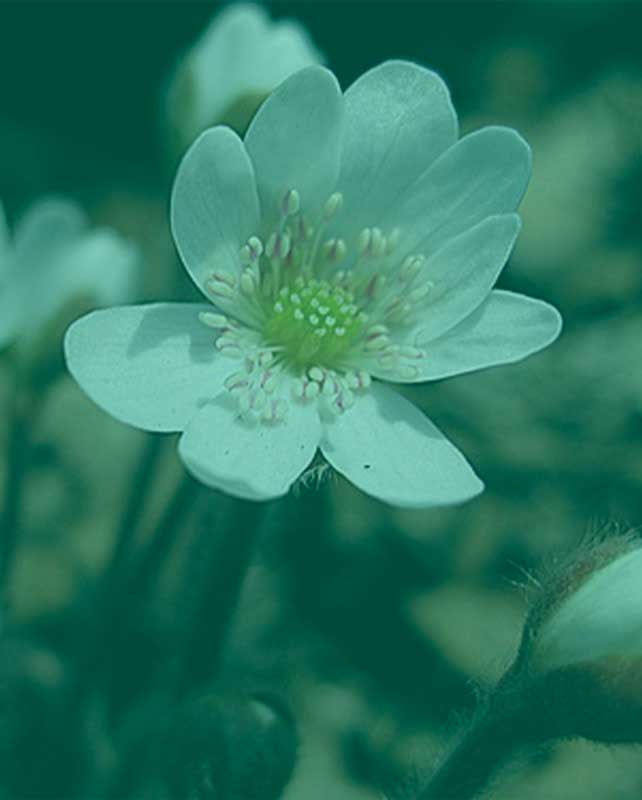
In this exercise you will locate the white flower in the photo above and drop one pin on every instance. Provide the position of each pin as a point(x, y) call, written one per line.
point(54, 258)
point(349, 238)
point(237, 62)
point(602, 618)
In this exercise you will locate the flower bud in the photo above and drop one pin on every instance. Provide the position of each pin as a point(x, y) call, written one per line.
point(597, 612)
point(582, 648)
point(230, 748)
point(40, 755)
point(240, 58)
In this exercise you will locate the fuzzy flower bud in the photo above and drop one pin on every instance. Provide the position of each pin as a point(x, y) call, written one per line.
point(239, 59)
point(599, 613)
point(583, 646)
point(230, 748)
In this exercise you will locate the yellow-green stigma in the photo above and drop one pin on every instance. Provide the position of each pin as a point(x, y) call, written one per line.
point(313, 323)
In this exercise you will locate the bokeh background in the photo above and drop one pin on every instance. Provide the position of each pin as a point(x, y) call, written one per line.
point(377, 625)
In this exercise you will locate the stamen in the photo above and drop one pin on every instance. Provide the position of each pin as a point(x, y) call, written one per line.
point(291, 203)
point(332, 205)
point(212, 320)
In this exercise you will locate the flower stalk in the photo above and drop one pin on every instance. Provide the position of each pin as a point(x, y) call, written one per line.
point(213, 612)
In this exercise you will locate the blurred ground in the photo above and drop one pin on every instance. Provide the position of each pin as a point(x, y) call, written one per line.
point(378, 624)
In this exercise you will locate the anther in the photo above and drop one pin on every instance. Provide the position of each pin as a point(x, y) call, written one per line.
point(247, 283)
point(392, 241)
point(311, 390)
point(270, 247)
point(420, 292)
point(410, 267)
point(363, 241)
point(224, 277)
point(377, 242)
point(219, 289)
point(283, 245)
point(380, 342)
point(408, 372)
point(375, 284)
point(332, 205)
point(291, 203)
point(213, 320)
point(377, 330)
point(237, 382)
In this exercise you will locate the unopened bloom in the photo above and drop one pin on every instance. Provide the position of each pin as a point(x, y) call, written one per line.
point(600, 618)
point(53, 258)
point(240, 58)
point(350, 242)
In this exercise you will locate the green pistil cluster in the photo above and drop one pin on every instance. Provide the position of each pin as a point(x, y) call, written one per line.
point(313, 323)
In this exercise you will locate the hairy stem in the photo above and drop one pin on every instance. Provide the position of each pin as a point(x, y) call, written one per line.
point(500, 727)
point(227, 566)
point(130, 519)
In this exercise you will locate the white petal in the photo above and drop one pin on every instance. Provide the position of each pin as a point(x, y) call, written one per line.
point(151, 366)
point(294, 141)
point(464, 271)
point(602, 618)
point(214, 207)
point(506, 328)
point(485, 173)
point(389, 449)
point(50, 223)
point(253, 460)
point(399, 119)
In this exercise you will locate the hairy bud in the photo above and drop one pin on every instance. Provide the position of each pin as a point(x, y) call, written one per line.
point(230, 748)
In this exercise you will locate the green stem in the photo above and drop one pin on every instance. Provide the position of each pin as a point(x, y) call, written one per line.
point(221, 590)
point(130, 585)
point(130, 519)
point(150, 562)
point(470, 766)
point(503, 725)
point(21, 420)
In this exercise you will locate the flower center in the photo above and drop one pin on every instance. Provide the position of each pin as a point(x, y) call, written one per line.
point(313, 323)
point(314, 313)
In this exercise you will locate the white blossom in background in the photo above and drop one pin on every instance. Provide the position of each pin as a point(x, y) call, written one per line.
point(53, 258)
point(239, 59)
point(601, 618)
point(351, 242)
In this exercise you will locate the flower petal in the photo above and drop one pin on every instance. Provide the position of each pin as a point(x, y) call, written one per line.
point(399, 119)
point(151, 366)
point(294, 141)
point(506, 328)
point(464, 271)
point(389, 449)
point(485, 173)
point(50, 223)
point(253, 460)
point(214, 207)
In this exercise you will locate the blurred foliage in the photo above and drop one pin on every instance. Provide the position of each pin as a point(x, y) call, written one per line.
point(377, 624)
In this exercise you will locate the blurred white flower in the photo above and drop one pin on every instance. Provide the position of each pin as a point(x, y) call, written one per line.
point(349, 238)
point(237, 62)
point(601, 618)
point(54, 258)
